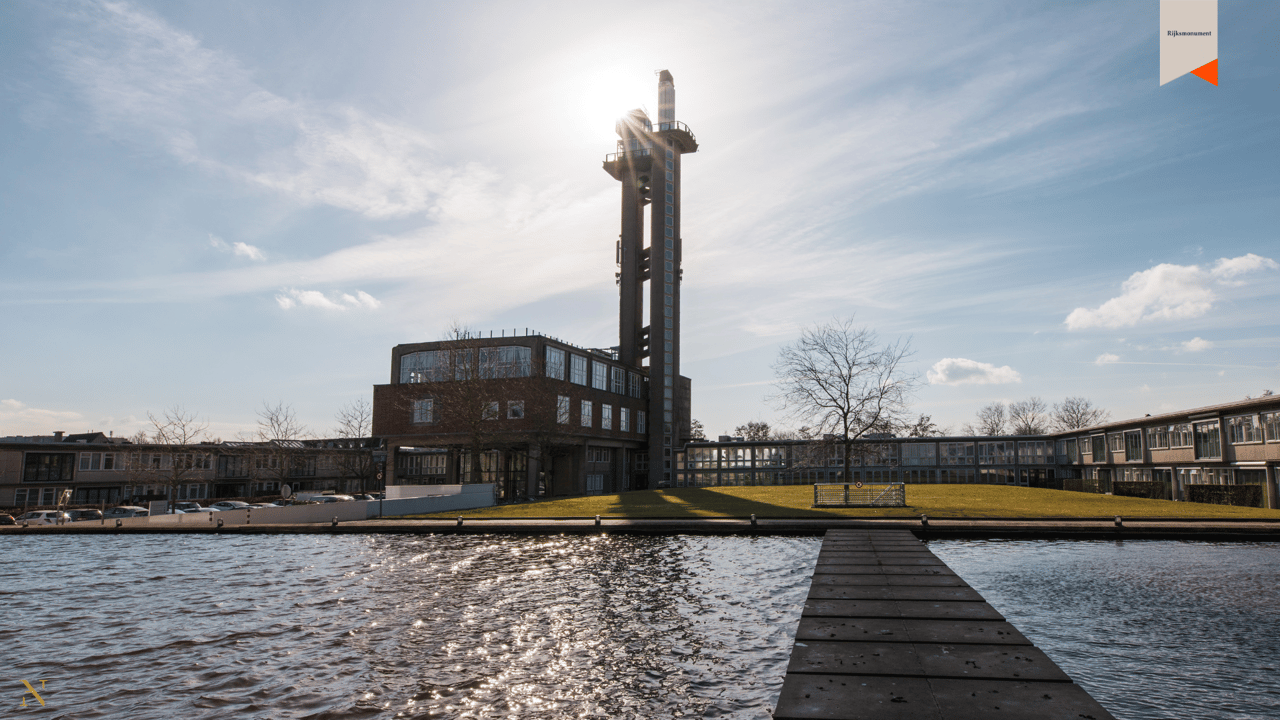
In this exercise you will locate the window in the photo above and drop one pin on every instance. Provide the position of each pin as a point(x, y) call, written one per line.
point(918, 453)
point(995, 453)
point(1115, 442)
point(48, 467)
point(635, 384)
point(508, 361)
point(1158, 437)
point(640, 421)
point(1240, 429)
point(618, 381)
point(1099, 448)
point(606, 417)
point(599, 375)
point(515, 409)
point(1133, 447)
point(1180, 435)
point(491, 410)
point(624, 419)
point(1086, 447)
point(1208, 442)
point(1271, 423)
point(562, 409)
point(586, 413)
point(427, 366)
point(555, 363)
point(956, 454)
point(1033, 452)
point(98, 461)
point(424, 411)
point(577, 370)
point(600, 455)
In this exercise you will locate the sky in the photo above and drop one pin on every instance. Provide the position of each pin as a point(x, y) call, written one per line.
point(217, 206)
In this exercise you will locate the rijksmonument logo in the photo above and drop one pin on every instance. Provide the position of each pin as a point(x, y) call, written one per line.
point(1188, 39)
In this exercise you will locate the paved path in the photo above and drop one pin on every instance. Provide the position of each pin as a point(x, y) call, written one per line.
point(889, 631)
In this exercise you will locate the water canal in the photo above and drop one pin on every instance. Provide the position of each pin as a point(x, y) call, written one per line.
point(612, 627)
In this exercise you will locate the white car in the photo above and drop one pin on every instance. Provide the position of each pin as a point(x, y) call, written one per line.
point(125, 511)
point(44, 517)
point(332, 498)
point(228, 505)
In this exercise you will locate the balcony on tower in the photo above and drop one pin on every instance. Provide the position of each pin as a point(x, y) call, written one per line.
point(679, 133)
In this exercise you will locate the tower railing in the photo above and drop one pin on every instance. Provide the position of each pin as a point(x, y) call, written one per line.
point(674, 125)
point(615, 157)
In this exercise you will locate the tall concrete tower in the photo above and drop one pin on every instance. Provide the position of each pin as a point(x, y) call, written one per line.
point(647, 163)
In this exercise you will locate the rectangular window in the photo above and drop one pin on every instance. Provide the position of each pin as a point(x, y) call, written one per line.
point(996, 453)
point(1099, 448)
point(918, 454)
point(1133, 447)
point(606, 417)
point(491, 410)
point(48, 467)
point(955, 454)
point(508, 361)
point(1033, 452)
point(1086, 446)
point(1208, 442)
point(586, 413)
point(424, 411)
point(562, 409)
point(1241, 429)
point(1180, 435)
point(427, 366)
point(1073, 454)
point(515, 409)
point(577, 370)
point(635, 384)
point(618, 381)
point(640, 421)
point(1158, 437)
point(1271, 424)
point(555, 363)
point(1115, 442)
point(599, 375)
point(624, 419)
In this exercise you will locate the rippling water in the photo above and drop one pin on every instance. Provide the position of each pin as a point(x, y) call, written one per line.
point(1152, 630)
point(401, 626)
point(597, 627)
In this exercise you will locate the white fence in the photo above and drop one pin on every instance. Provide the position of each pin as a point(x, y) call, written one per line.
point(859, 494)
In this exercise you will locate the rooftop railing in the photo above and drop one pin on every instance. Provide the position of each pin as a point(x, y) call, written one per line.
point(615, 157)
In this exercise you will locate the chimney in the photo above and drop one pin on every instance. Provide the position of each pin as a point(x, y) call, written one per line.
point(57, 435)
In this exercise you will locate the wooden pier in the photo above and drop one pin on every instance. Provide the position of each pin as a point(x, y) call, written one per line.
point(889, 631)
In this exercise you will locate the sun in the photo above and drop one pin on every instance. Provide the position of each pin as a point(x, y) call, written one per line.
point(595, 97)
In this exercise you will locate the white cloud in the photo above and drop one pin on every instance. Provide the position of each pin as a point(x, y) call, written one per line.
point(1107, 359)
point(151, 83)
point(961, 371)
point(1196, 345)
point(18, 418)
point(290, 298)
point(1167, 292)
point(249, 251)
point(237, 248)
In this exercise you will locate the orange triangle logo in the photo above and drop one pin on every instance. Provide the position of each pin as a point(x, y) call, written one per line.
point(1208, 72)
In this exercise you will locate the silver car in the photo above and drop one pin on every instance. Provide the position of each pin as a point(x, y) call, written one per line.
point(44, 517)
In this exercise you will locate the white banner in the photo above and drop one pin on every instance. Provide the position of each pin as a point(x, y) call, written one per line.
point(1188, 39)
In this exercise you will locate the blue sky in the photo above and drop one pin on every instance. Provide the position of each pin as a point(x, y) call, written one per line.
point(214, 205)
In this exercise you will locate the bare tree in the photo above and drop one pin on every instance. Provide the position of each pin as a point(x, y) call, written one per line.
point(181, 460)
point(839, 378)
point(1029, 417)
point(281, 435)
point(992, 419)
point(1075, 413)
point(753, 430)
point(925, 427)
point(355, 419)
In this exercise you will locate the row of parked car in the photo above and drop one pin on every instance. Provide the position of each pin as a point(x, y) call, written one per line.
point(58, 517)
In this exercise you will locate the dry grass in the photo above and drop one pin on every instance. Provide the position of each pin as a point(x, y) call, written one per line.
point(959, 501)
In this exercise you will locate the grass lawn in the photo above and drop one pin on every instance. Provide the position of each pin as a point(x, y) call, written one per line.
point(941, 501)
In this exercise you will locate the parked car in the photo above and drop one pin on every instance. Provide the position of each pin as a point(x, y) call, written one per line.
point(332, 498)
point(44, 517)
point(124, 511)
point(229, 505)
point(189, 507)
point(365, 497)
point(7, 519)
point(85, 514)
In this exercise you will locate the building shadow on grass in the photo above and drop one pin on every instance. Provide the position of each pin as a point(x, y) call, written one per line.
point(700, 502)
